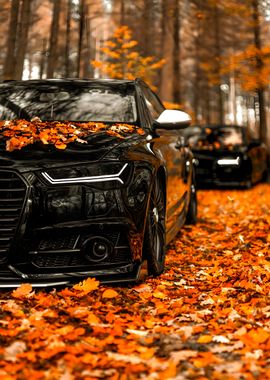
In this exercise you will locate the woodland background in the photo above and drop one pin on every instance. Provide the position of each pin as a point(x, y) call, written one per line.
point(208, 57)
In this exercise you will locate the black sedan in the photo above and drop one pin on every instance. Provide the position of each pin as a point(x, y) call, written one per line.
point(94, 180)
point(227, 155)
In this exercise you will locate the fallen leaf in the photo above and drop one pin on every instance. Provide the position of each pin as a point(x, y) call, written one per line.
point(109, 293)
point(205, 339)
point(23, 291)
point(87, 286)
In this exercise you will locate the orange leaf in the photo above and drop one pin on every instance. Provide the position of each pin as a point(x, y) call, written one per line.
point(159, 295)
point(93, 319)
point(60, 146)
point(87, 285)
point(109, 293)
point(204, 339)
point(23, 291)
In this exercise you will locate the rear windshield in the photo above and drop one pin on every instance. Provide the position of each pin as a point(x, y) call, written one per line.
point(70, 102)
point(215, 138)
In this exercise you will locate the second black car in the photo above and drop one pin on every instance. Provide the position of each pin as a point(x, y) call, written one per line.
point(227, 155)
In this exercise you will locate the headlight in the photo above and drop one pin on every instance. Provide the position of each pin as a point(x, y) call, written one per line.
point(104, 174)
point(229, 161)
point(64, 204)
point(81, 191)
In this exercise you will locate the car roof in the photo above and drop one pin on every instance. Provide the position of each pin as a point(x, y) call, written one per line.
point(71, 81)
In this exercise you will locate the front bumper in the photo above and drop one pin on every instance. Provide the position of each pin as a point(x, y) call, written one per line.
point(209, 173)
point(104, 242)
point(62, 255)
point(10, 277)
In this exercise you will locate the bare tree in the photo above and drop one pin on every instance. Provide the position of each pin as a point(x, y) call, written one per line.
point(259, 63)
point(52, 59)
point(67, 47)
point(217, 47)
point(9, 65)
point(176, 53)
point(22, 37)
point(81, 35)
point(122, 12)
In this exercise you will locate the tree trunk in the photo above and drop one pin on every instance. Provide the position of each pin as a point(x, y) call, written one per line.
point(9, 65)
point(81, 33)
point(207, 104)
point(148, 38)
point(43, 58)
point(87, 68)
point(197, 81)
point(23, 37)
point(53, 39)
point(176, 53)
point(217, 64)
point(67, 47)
point(122, 13)
point(259, 64)
point(163, 23)
point(162, 37)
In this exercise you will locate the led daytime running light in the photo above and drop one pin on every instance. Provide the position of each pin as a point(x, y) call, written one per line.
point(229, 161)
point(91, 179)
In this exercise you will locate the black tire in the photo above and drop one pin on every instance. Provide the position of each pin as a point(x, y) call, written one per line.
point(154, 236)
point(191, 217)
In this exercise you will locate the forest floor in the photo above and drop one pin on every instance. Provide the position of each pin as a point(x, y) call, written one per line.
point(206, 317)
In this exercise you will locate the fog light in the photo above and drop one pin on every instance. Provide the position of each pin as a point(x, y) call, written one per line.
point(97, 249)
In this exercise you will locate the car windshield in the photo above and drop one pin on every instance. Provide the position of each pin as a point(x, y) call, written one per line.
point(69, 102)
point(228, 137)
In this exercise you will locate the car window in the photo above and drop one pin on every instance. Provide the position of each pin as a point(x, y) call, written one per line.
point(215, 137)
point(72, 103)
point(153, 103)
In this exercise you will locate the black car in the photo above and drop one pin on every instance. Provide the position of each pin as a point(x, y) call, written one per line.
point(227, 155)
point(98, 205)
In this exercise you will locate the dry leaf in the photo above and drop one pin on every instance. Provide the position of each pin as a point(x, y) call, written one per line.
point(109, 293)
point(87, 286)
point(23, 291)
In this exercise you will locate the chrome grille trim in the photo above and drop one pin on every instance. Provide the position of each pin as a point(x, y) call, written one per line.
point(13, 193)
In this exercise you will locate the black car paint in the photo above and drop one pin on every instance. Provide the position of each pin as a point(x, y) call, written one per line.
point(54, 228)
point(252, 168)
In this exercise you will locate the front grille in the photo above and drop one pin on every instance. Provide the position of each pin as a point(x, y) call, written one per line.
point(12, 196)
point(229, 174)
point(56, 243)
point(56, 260)
point(205, 167)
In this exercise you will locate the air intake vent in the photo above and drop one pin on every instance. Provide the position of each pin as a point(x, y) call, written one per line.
point(12, 195)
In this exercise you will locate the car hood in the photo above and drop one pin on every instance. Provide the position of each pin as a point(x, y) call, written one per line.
point(38, 156)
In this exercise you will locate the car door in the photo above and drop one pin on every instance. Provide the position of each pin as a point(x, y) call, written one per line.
point(169, 144)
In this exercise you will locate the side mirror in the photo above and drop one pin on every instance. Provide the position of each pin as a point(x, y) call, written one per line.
point(172, 119)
